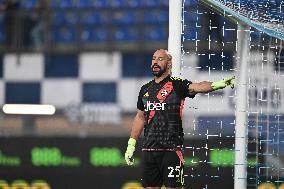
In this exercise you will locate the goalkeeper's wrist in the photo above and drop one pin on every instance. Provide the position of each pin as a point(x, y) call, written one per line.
point(218, 85)
point(132, 141)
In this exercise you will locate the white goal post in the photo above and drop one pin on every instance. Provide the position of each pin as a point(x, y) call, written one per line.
point(174, 47)
point(175, 30)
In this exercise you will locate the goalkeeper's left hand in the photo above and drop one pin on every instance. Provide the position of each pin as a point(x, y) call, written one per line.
point(130, 151)
point(228, 81)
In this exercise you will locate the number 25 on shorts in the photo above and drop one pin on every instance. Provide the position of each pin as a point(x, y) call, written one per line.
point(174, 170)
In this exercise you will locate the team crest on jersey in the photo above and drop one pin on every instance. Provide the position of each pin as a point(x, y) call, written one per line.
point(164, 93)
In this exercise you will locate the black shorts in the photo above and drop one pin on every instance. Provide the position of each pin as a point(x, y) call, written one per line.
point(163, 167)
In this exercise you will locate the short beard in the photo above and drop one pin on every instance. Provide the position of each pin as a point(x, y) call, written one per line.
point(158, 73)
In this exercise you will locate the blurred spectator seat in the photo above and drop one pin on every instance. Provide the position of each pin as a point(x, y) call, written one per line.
point(155, 33)
point(63, 35)
point(65, 18)
point(117, 3)
point(63, 3)
point(133, 3)
point(84, 3)
point(99, 3)
point(124, 3)
point(124, 17)
point(93, 35)
point(69, 17)
point(126, 34)
point(156, 16)
point(30, 4)
point(151, 3)
point(91, 17)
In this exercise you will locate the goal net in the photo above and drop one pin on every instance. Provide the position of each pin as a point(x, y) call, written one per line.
point(209, 52)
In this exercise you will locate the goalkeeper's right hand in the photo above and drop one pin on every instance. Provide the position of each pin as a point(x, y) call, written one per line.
point(129, 151)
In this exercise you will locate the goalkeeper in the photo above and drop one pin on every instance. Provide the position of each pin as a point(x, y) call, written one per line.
point(159, 105)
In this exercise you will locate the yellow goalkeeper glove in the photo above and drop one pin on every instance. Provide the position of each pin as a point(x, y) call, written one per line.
point(228, 81)
point(129, 151)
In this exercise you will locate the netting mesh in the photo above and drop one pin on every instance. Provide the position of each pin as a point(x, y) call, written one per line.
point(265, 113)
point(264, 15)
point(209, 53)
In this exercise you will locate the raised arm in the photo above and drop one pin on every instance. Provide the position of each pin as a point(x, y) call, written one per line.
point(207, 86)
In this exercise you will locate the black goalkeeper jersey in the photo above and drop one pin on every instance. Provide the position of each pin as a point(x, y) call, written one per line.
point(162, 104)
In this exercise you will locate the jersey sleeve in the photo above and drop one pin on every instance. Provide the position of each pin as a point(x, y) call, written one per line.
point(140, 105)
point(184, 88)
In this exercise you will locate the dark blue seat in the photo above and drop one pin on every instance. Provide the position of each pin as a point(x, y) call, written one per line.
point(63, 3)
point(124, 17)
point(93, 18)
point(92, 3)
point(58, 18)
point(156, 33)
point(156, 16)
point(134, 3)
point(71, 18)
point(64, 35)
point(65, 18)
point(124, 3)
point(163, 16)
point(93, 35)
point(28, 4)
point(116, 3)
point(152, 3)
point(125, 34)
point(84, 3)
point(165, 3)
point(99, 3)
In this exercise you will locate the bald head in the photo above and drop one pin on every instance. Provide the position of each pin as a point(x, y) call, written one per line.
point(165, 52)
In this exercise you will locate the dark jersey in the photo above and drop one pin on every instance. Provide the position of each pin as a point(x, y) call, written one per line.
point(162, 104)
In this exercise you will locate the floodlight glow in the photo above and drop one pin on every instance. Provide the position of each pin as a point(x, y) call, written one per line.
point(29, 109)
